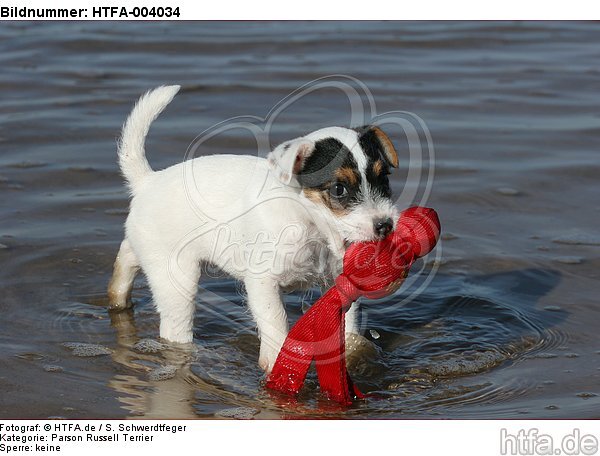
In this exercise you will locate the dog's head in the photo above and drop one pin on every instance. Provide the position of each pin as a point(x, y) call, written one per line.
point(345, 171)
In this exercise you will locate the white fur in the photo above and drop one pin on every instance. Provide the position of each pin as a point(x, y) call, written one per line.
point(246, 221)
point(132, 157)
point(288, 156)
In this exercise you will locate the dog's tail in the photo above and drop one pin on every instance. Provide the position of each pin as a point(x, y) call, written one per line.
point(132, 157)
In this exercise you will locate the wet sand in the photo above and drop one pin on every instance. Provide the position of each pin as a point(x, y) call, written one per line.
point(508, 325)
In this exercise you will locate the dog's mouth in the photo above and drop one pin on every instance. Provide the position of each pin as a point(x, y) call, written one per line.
point(362, 237)
point(348, 243)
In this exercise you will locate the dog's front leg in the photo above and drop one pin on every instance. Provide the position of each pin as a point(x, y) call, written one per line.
point(266, 304)
point(352, 319)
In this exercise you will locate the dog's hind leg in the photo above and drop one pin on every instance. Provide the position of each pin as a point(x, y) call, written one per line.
point(124, 271)
point(174, 284)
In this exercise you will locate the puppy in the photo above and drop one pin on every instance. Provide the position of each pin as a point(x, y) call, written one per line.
point(277, 224)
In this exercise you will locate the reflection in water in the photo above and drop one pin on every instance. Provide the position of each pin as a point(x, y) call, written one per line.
point(164, 398)
point(165, 386)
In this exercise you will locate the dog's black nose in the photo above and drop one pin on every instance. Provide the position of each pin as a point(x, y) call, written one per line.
point(383, 227)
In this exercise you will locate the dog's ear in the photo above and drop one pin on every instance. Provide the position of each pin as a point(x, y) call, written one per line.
point(371, 136)
point(287, 159)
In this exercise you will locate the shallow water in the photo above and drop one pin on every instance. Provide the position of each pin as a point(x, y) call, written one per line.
point(508, 325)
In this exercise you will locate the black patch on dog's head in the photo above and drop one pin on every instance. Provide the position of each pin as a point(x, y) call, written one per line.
point(373, 140)
point(320, 167)
point(331, 163)
point(379, 182)
point(378, 164)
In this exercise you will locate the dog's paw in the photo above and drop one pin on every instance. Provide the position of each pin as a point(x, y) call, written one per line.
point(267, 359)
point(266, 365)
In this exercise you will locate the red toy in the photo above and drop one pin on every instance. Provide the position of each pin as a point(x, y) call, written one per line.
point(372, 269)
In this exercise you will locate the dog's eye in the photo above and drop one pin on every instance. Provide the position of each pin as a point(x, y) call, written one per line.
point(338, 191)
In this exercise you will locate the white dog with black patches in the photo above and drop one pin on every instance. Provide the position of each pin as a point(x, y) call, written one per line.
point(277, 224)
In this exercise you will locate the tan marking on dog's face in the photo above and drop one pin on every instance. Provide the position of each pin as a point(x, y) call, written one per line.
point(378, 167)
point(314, 195)
point(348, 175)
point(322, 197)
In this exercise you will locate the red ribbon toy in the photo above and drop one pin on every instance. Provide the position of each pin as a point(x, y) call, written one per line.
point(372, 269)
